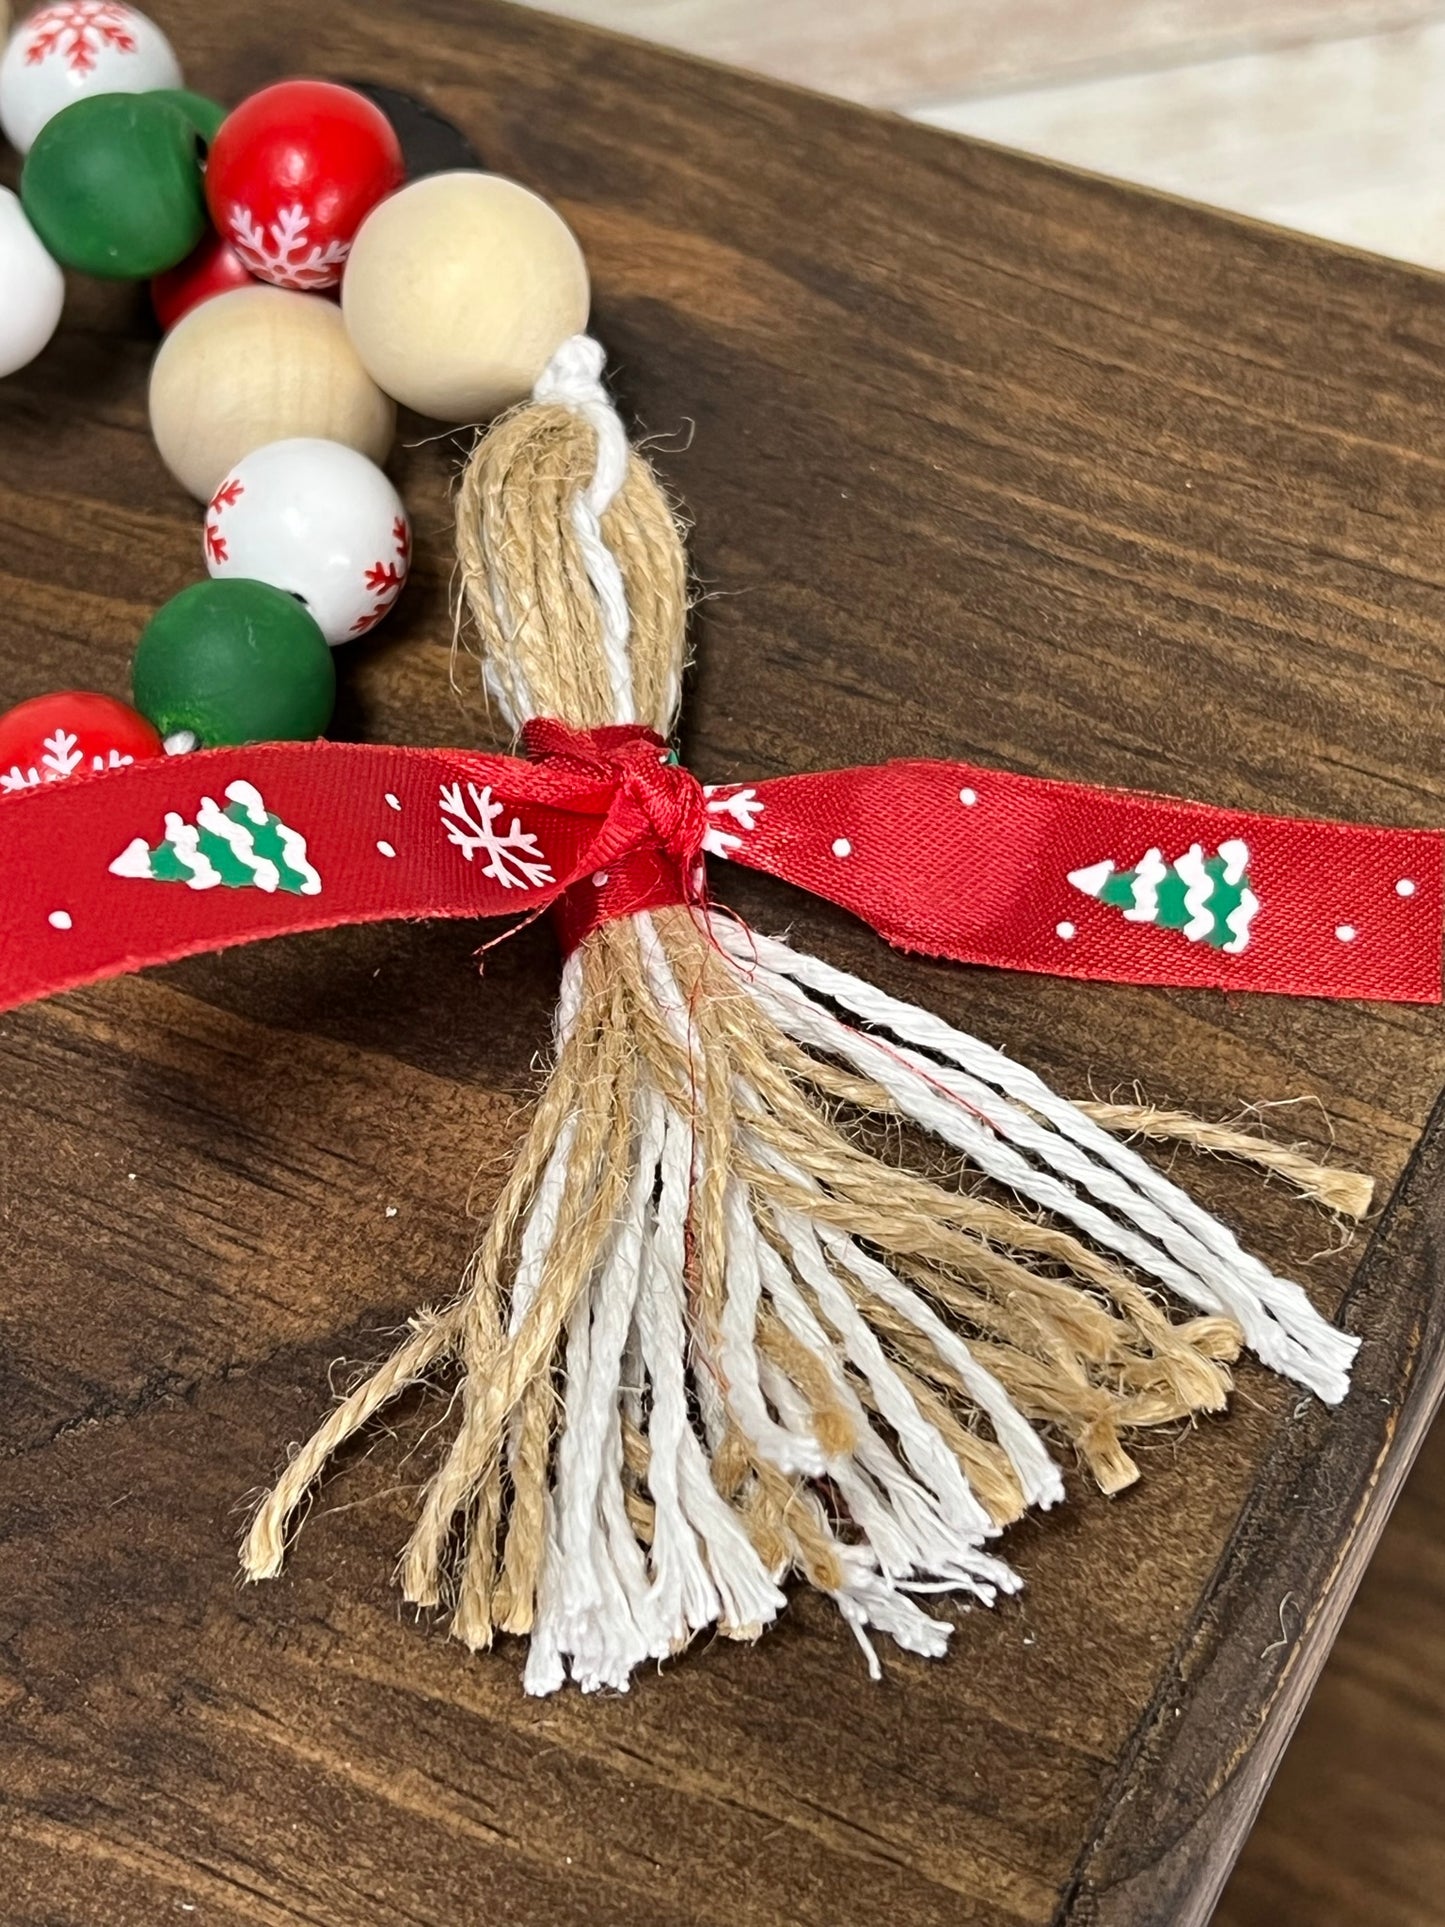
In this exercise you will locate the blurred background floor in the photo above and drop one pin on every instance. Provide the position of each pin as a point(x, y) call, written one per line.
point(1326, 115)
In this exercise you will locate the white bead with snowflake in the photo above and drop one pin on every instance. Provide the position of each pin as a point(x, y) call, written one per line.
point(318, 520)
point(74, 48)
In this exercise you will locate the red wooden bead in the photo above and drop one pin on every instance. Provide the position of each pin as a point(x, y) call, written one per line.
point(212, 268)
point(293, 173)
point(70, 734)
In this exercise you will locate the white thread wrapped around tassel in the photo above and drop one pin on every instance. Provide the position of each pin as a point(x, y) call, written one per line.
point(708, 1341)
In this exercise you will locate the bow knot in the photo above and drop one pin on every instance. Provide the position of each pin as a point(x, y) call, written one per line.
point(655, 802)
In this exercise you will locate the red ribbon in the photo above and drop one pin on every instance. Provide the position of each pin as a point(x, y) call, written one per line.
point(107, 873)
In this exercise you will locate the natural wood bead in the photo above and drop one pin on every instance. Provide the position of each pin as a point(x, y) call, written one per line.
point(255, 366)
point(459, 289)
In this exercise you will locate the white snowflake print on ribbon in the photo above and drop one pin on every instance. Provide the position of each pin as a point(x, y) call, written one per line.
point(77, 32)
point(62, 757)
point(743, 806)
point(278, 252)
point(514, 857)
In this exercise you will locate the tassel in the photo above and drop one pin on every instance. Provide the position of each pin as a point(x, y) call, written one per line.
point(709, 1341)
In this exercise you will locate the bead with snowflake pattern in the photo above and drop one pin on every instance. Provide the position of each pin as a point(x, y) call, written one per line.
point(293, 173)
point(72, 733)
point(318, 520)
point(33, 284)
point(79, 47)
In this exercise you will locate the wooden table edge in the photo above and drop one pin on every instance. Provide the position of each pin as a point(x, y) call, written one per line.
point(1201, 1760)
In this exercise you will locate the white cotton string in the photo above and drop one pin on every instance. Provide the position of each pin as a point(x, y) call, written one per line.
point(1208, 1268)
point(604, 1613)
point(922, 1446)
point(573, 379)
point(793, 1454)
point(892, 1550)
point(930, 1103)
point(1285, 1299)
point(704, 1565)
point(1037, 1474)
point(673, 1009)
point(923, 1522)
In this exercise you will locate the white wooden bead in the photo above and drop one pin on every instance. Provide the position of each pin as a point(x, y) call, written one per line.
point(459, 289)
point(321, 522)
point(254, 366)
point(34, 288)
point(79, 47)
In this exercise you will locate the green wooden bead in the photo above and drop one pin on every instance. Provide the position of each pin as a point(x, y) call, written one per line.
point(204, 114)
point(234, 662)
point(113, 186)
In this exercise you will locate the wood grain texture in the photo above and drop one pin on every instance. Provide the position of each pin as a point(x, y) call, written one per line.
point(986, 460)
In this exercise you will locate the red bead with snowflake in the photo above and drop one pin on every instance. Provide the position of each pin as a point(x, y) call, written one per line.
point(293, 173)
point(72, 733)
point(76, 48)
point(212, 268)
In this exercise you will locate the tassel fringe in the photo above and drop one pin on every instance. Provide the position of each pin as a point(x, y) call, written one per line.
point(710, 1341)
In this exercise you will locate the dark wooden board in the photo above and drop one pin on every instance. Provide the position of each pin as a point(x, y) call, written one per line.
point(985, 459)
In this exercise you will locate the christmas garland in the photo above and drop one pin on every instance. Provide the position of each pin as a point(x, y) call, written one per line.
point(710, 1340)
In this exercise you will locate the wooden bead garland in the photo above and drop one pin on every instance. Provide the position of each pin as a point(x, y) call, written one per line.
point(270, 403)
point(260, 365)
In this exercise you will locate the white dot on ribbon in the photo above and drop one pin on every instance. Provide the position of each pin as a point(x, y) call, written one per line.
point(386, 849)
point(59, 920)
point(842, 847)
point(600, 880)
point(1346, 932)
point(1405, 887)
point(1065, 930)
point(392, 802)
point(968, 798)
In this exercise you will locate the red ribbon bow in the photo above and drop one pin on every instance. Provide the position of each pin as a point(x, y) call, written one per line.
point(106, 873)
point(657, 820)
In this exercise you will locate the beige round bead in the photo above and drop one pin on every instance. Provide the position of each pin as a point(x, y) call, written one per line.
point(254, 366)
point(458, 290)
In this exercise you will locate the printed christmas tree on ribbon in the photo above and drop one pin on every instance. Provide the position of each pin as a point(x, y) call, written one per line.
point(1207, 898)
point(243, 847)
